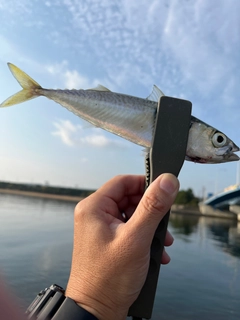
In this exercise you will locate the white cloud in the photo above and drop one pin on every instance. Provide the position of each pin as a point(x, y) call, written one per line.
point(65, 130)
point(77, 136)
point(16, 7)
point(71, 79)
point(190, 47)
point(175, 43)
point(192, 43)
point(57, 68)
point(74, 80)
point(165, 42)
point(96, 140)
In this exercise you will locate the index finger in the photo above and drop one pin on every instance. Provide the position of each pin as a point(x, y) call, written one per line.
point(123, 186)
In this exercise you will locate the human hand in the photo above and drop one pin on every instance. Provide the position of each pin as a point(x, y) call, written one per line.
point(111, 255)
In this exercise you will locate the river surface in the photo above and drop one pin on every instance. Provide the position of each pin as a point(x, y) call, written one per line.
point(201, 282)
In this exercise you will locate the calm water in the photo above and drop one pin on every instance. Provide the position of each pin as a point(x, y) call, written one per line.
point(201, 282)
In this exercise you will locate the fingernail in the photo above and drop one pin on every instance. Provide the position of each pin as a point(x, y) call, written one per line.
point(168, 183)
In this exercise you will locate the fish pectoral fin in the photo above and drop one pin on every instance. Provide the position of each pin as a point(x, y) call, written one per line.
point(156, 94)
point(29, 86)
point(100, 88)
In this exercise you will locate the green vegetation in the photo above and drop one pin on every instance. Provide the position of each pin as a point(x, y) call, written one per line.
point(186, 197)
point(46, 189)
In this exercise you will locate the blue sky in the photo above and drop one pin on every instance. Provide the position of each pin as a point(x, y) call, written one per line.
point(190, 49)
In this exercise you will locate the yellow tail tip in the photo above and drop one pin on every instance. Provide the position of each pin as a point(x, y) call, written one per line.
point(26, 82)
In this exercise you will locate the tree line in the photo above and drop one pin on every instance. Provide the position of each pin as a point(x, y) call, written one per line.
point(46, 189)
point(186, 197)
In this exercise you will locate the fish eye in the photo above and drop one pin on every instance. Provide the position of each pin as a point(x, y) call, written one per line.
point(219, 139)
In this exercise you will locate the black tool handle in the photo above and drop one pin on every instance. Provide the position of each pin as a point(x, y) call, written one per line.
point(167, 154)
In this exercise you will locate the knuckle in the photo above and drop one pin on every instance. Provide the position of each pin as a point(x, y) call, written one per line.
point(80, 209)
point(118, 178)
point(154, 204)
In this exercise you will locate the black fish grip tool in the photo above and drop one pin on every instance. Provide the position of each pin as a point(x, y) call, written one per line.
point(167, 154)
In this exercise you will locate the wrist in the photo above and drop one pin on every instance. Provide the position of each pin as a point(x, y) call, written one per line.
point(51, 303)
point(101, 307)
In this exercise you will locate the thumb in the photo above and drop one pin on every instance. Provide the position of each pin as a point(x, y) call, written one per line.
point(154, 204)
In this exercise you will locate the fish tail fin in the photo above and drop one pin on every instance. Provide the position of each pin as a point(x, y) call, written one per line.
point(29, 91)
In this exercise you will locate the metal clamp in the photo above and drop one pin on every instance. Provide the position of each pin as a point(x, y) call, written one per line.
point(166, 155)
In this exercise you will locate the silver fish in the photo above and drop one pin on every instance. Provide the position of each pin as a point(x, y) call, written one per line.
point(129, 117)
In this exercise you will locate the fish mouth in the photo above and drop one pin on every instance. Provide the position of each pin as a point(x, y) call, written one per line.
point(230, 155)
point(233, 157)
point(235, 148)
point(227, 152)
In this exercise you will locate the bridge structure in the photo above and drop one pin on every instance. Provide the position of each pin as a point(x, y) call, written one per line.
point(224, 199)
point(225, 204)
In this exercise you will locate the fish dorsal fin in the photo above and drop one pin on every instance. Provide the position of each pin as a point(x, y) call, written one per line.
point(100, 88)
point(156, 94)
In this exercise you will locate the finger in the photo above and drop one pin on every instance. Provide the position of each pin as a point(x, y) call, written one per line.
point(165, 257)
point(168, 239)
point(129, 203)
point(97, 205)
point(119, 195)
point(154, 204)
point(122, 186)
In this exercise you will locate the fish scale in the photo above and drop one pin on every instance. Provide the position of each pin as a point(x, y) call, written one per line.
point(119, 114)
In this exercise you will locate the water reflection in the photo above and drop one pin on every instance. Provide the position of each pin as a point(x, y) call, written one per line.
point(184, 224)
point(224, 232)
point(201, 282)
point(228, 236)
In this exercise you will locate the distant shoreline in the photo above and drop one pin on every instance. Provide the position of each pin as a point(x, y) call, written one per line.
point(175, 208)
point(41, 195)
point(179, 209)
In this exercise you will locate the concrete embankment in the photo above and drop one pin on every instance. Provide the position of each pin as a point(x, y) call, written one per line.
point(184, 209)
point(208, 211)
point(41, 195)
